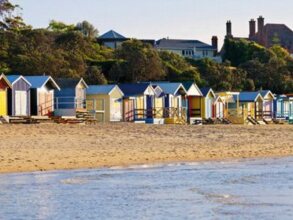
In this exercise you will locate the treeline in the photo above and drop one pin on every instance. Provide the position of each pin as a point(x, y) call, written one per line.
point(63, 50)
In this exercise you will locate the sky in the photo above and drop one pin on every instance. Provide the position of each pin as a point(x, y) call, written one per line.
point(155, 19)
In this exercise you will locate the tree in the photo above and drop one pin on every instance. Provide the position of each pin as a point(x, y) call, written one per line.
point(87, 29)
point(95, 76)
point(58, 26)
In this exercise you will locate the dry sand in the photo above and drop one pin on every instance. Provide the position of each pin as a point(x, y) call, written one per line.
point(49, 147)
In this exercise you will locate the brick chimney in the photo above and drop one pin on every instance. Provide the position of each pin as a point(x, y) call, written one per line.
point(252, 28)
point(260, 26)
point(215, 44)
point(229, 29)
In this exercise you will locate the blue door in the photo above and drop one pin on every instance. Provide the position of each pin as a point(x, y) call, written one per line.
point(149, 106)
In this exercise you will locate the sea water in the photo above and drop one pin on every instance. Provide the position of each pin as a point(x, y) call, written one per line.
point(251, 189)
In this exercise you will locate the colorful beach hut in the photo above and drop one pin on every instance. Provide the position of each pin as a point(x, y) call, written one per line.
point(4, 86)
point(207, 102)
point(283, 107)
point(252, 103)
point(194, 105)
point(219, 108)
point(18, 96)
point(268, 104)
point(105, 102)
point(175, 102)
point(138, 101)
point(71, 97)
point(42, 94)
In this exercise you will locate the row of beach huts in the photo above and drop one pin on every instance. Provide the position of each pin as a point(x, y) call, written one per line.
point(32, 98)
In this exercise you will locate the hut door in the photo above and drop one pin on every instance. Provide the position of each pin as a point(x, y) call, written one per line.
point(115, 110)
point(20, 103)
point(150, 106)
point(3, 103)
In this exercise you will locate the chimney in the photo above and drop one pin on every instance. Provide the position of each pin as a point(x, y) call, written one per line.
point(229, 29)
point(260, 24)
point(215, 44)
point(252, 28)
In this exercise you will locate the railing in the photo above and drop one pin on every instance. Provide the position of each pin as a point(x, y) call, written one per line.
point(45, 108)
point(195, 113)
point(264, 114)
point(69, 103)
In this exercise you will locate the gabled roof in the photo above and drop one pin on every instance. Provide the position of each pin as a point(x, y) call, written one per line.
point(69, 82)
point(182, 44)
point(102, 89)
point(206, 90)
point(188, 85)
point(264, 93)
point(40, 81)
point(170, 88)
point(249, 96)
point(2, 76)
point(134, 89)
point(14, 78)
point(112, 35)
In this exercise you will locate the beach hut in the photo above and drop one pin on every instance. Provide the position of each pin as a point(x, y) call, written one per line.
point(219, 108)
point(4, 86)
point(175, 102)
point(207, 102)
point(268, 104)
point(159, 102)
point(194, 106)
point(138, 101)
point(252, 102)
point(42, 94)
point(18, 96)
point(105, 102)
point(71, 97)
point(283, 107)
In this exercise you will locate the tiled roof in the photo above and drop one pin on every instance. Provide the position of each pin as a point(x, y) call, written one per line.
point(133, 89)
point(182, 44)
point(248, 96)
point(112, 35)
point(100, 89)
point(68, 82)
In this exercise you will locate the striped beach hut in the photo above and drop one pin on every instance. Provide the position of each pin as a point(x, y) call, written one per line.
point(4, 86)
point(194, 97)
point(42, 94)
point(105, 102)
point(207, 102)
point(219, 108)
point(138, 101)
point(71, 97)
point(268, 104)
point(19, 96)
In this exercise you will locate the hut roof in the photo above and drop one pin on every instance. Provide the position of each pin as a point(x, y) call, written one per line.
point(133, 89)
point(14, 78)
point(206, 90)
point(249, 96)
point(3, 77)
point(266, 92)
point(101, 89)
point(170, 88)
point(69, 82)
point(40, 81)
point(188, 85)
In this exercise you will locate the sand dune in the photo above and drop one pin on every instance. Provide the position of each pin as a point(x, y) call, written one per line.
point(52, 146)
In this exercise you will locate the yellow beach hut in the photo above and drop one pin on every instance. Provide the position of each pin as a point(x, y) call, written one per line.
point(105, 102)
point(252, 102)
point(4, 85)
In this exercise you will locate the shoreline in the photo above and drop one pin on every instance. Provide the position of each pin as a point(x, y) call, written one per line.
point(28, 148)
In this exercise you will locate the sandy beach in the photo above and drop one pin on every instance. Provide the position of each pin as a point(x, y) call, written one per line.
point(51, 146)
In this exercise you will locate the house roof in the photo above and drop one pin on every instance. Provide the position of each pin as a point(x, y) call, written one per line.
point(40, 81)
point(112, 35)
point(206, 90)
point(170, 88)
point(69, 82)
point(249, 96)
point(182, 44)
point(101, 89)
point(14, 78)
point(133, 89)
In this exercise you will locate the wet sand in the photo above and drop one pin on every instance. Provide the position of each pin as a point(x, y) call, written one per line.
point(51, 146)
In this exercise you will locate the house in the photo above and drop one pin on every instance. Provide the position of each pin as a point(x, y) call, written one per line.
point(71, 97)
point(268, 104)
point(193, 49)
point(18, 96)
point(138, 101)
point(194, 97)
point(105, 102)
point(219, 108)
point(252, 103)
point(207, 102)
point(4, 86)
point(42, 94)
point(175, 102)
